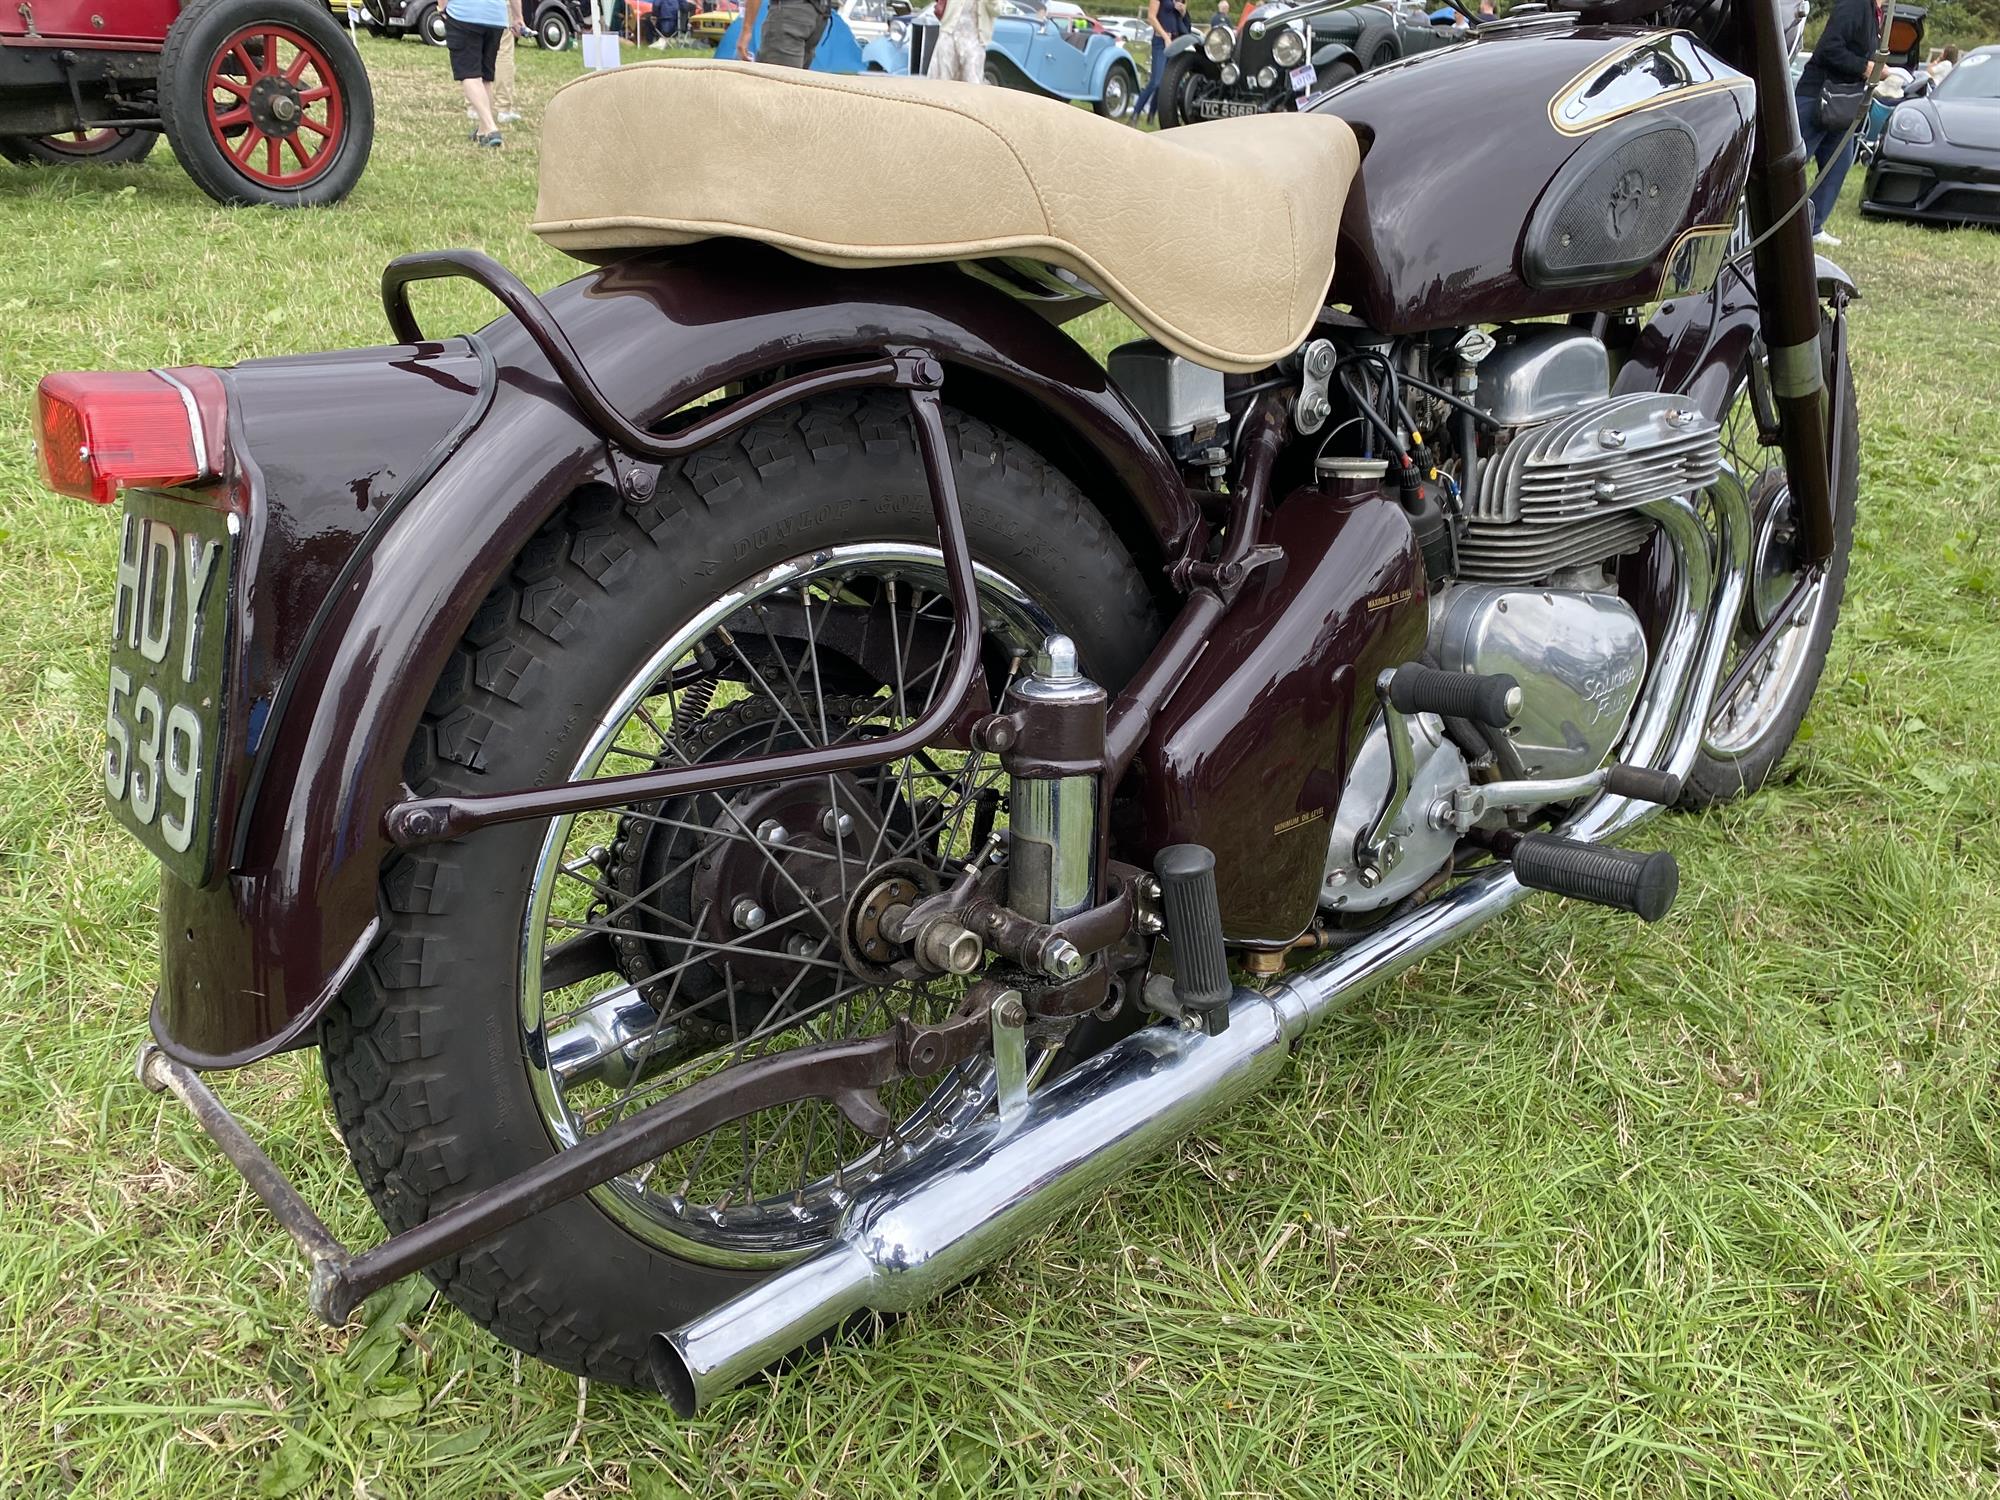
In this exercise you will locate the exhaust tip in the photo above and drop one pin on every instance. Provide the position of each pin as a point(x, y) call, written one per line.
point(672, 1375)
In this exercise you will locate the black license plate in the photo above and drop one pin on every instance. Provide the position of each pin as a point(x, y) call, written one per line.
point(169, 656)
point(1228, 109)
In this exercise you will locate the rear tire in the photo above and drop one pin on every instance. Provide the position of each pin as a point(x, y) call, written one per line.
point(1121, 88)
point(97, 148)
point(424, 1055)
point(553, 30)
point(430, 26)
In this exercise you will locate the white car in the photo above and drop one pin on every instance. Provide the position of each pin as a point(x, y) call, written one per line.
point(1126, 28)
point(869, 19)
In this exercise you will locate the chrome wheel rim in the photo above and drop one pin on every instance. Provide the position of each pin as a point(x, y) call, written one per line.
point(1740, 722)
point(670, 1204)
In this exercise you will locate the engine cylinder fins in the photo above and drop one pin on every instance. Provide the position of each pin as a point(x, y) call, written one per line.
point(1629, 880)
point(1606, 455)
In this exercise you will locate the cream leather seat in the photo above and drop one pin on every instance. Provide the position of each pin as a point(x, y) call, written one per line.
point(1216, 239)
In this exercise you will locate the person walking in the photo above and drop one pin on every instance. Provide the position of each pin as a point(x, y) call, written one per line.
point(504, 112)
point(791, 34)
point(472, 32)
point(1168, 18)
point(1843, 58)
point(962, 37)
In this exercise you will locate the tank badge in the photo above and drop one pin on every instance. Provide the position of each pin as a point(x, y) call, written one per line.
point(1317, 815)
point(1390, 601)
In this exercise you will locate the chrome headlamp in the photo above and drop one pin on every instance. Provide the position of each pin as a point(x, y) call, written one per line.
point(899, 31)
point(1289, 50)
point(1230, 73)
point(1266, 77)
point(1218, 44)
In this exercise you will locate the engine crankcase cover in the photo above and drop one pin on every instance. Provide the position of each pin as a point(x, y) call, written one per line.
point(1580, 659)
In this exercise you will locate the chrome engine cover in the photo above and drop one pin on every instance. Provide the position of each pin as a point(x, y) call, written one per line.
point(1580, 660)
point(1422, 849)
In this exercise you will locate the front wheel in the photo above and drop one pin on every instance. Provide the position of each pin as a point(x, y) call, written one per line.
point(430, 26)
point(1750, 730)
point(266, 101)
point(1178, 81)
point(535, 983)
point(109, 147)
point(1121, 87)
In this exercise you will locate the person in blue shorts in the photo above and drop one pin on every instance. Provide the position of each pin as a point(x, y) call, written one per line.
point(472, 32)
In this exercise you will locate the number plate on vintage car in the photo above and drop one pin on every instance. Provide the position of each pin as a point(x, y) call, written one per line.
point(169, 653)
point(1226, 109)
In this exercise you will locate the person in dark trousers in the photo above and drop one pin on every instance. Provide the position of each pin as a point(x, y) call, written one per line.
point(1845, 54)
point(791, 35)
point(472, 33)
point(1168, 18)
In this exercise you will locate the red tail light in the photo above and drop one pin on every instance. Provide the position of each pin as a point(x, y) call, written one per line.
point(98, 433)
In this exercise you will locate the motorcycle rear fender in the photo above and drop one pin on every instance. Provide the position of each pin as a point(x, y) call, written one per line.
point(249, 962)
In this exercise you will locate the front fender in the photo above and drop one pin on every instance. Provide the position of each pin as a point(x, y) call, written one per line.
point(249, 962)
point(1101, 70)
point(1186, 42)
point(1336, 52)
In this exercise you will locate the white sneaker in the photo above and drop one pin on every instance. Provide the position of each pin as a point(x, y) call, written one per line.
point(506, 117)
point(1823, 238)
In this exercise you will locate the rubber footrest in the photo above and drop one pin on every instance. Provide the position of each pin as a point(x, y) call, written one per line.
point(1623, 879)
point(1490, 700)
point(1193, 918)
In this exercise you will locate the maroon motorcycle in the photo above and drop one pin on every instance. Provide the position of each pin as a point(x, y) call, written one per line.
point(772, 773)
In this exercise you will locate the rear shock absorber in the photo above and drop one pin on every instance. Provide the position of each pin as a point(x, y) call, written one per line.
point(1054, 755)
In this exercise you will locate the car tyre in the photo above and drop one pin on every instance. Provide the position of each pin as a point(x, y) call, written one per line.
point(1171, 101)
point(429, 24)
point(100, 148)
point(204, 53)
point(1121, 91)
point(554, 30)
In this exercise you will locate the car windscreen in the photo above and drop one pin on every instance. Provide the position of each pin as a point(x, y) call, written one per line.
point(1975, 77)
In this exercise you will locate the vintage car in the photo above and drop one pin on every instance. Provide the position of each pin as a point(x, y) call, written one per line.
point(715, 18)
point(397, 18)
point(262, 101)
point(837, 51)
point(1939, 159)
point(1058, 52)
point(1280, 54)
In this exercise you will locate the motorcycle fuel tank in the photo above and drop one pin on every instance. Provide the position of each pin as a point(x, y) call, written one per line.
point(1542, 168)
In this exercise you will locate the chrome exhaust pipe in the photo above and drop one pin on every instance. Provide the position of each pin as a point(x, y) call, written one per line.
point(924, 1227)
point(927, 1225)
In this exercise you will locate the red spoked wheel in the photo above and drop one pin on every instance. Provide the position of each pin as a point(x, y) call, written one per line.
point(266, 101)
point(275, 107)
point(109, 146)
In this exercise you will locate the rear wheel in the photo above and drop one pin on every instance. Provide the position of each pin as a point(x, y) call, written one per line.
point(1751, 728)
point(536, 983)
point(553, 29)
point(108, 147)
point(266, 101)
point(1121, 87)
point(430, 25)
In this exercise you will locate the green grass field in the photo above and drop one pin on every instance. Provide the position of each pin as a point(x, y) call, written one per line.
point(1585, 1208)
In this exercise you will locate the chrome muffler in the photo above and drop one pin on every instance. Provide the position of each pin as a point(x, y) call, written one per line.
point(927, 1225)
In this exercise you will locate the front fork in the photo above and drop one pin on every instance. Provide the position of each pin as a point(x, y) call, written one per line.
point(1787, 284)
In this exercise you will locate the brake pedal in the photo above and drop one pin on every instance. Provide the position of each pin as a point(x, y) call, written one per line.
point(1623, 879)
